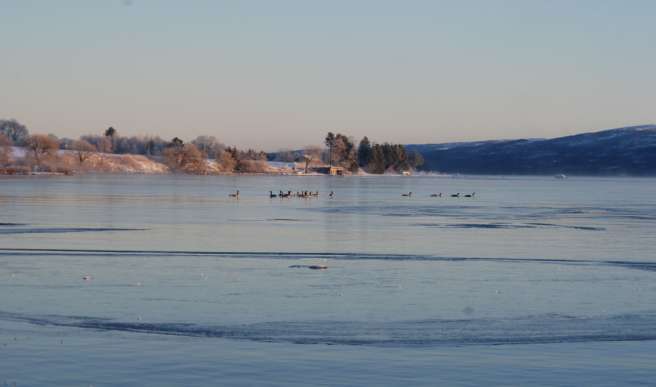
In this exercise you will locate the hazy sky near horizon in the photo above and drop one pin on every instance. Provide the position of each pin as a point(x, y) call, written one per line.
point(275, 74)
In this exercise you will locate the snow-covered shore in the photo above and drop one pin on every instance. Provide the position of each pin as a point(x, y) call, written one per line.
point(97, 162)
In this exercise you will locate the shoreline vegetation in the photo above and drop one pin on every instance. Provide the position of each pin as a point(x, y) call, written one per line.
point(22, 153)
point(626, 151)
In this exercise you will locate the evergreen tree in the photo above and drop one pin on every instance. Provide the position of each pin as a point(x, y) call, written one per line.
point(364, 152)
point(110, 132)
point(330, 143)
point(110, 136)
point(176, 143)
point(377, 163)
point(388, 155)
point(376, 158)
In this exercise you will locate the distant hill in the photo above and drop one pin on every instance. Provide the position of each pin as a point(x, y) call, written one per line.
point(622, 151)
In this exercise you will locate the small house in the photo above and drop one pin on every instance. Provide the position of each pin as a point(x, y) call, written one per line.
point(336, 171)
point(333, 171)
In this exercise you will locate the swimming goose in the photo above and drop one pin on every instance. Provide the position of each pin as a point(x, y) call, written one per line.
point(272, 195)
point(457, 195)
point(439, 195)
point(471, 195)
point(234, 195)
point(409, 194)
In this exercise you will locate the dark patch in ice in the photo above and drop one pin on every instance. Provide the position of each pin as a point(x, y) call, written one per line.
point(312, 267)
point(400, 210)
point(346, 256)
point(260, 220)
point(533, 329)
point(64, 230)
point(584, 228)
point(287, 220)
point(647, 266)
point(475, 225)
point(507, 226)
point(399, 214)
point(3, 224)
point(494, 213)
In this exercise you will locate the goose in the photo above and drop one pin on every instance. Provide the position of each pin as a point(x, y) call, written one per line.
point(456, 195)
point(332, 194)
point(234, 195)
point(409, 194)
point(471, 195)
point(439, 195)
point(272, 195)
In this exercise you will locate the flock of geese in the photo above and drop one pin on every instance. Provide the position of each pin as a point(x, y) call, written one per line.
point(297, 194)
point(315, 194)
point(439, 195)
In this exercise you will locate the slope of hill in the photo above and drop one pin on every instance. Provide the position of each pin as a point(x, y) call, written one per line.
point(622, 151)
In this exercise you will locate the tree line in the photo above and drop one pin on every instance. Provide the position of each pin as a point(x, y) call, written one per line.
point(340, 150)
point(381, 158)
point(202, 155)
point(369, 156)
point(179, 156)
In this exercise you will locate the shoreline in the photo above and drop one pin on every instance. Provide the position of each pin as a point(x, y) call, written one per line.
point(282, 174)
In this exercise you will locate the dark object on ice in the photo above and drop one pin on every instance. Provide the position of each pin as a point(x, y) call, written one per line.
point(311, 267)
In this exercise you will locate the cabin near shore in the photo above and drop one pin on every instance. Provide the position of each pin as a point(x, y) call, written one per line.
point(333, 171)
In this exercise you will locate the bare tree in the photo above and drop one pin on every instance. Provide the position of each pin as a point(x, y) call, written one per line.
point(227, 161)
point(209, 145)
point(194, 160)
point(104, 145)
point(311, 154)
point(15, 131)
point(83, 149)
point(252, 166)
point(185, 158)
point(42, 146)
point(5, 150)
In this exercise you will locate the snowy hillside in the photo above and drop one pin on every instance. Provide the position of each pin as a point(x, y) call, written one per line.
point(622, 151)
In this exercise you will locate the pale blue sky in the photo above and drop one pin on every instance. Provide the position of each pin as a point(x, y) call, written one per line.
point(281, 73)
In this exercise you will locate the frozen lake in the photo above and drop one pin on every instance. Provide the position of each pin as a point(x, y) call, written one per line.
point(166, 281)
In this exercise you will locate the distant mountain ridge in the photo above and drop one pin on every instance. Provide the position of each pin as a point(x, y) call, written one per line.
point(621, 151)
